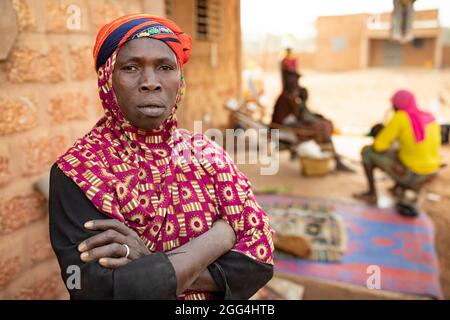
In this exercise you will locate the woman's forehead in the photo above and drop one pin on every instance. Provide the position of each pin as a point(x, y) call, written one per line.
point(146, 48)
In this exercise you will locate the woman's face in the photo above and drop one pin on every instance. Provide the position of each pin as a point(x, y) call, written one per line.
point(145, 81)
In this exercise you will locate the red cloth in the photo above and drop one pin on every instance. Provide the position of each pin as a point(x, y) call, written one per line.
point(289, 63)
point(120, 30)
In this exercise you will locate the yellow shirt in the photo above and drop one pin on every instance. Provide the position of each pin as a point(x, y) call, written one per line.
point(420, 158)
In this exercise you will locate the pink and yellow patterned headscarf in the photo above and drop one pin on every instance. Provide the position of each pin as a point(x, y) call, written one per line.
point(168, 185)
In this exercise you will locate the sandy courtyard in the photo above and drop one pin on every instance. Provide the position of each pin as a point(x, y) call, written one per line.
point(355, 101)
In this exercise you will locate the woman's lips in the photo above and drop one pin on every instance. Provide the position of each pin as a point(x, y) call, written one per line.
point(153, 111)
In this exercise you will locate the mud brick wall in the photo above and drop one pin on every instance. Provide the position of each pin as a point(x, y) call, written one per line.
point(210, 84)
point(48, 99)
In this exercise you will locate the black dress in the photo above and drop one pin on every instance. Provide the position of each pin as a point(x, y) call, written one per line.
point(150, 277)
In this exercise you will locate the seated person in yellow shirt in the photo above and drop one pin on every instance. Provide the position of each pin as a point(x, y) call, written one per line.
point(417, 157)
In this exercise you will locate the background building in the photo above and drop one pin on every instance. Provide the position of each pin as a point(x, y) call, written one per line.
point(363, 40)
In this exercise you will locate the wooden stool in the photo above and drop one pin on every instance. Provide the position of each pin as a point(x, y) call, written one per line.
point(408, 207)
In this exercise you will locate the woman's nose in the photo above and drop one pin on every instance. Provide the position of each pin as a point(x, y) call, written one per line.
point(150, 82)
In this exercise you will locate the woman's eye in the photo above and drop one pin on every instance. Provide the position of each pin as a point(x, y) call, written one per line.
point(166, 68)
point(130, 68)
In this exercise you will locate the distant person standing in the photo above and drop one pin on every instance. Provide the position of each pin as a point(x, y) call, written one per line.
point(402, 20)
point(289, 66)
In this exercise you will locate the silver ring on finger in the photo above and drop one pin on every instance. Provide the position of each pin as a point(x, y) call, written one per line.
point(128, 250)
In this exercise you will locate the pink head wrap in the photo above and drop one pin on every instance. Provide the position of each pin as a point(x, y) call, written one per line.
point(404, 100)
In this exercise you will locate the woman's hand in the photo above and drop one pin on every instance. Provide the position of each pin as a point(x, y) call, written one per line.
point(108, 247)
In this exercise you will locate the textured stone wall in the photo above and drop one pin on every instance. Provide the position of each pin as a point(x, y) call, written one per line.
point(48, 99)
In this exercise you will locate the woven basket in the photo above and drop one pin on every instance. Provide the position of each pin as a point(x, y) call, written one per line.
point(315, 166)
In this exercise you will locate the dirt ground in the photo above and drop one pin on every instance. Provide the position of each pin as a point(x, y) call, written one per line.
point(355, 101)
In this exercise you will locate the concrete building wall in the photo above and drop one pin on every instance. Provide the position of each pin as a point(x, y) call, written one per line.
point(48, 99)
point(409, 55)
point(446, 56)
point(431, 14)
point(421, 56)
point(340, 42)
point(376, 53)
point(347, 42)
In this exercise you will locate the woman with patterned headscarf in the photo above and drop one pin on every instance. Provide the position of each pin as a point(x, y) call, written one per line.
point(147, 210)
